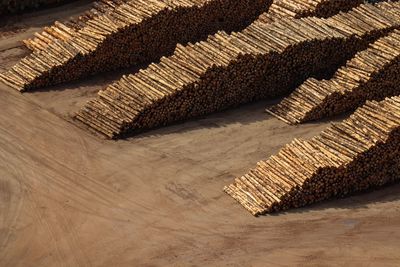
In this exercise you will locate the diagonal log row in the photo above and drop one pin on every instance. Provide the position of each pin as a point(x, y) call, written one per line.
point(359, 153)
point(130, 34)
point(263, 61)
point(301, 8)
point(65, 31)
point(372, 74)
point(279, 9)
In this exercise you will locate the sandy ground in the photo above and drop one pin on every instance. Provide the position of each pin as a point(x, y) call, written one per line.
point(68, 198)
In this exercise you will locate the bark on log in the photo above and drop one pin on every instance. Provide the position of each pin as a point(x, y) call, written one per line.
point(233, 69)
point(372, 74)
point(360, 153)
point(130, 34)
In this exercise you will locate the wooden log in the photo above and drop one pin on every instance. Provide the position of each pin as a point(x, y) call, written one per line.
point(104, 39)
point(262, 63)
point(367, 167)
point(364, 77)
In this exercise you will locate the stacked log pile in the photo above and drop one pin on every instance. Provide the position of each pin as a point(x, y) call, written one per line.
point(66, 30)
point(359, 153)
point(301, 8)
point(279, 9)
point(132, 33)
point(372, 74)
point(265, 60)
point(8, 7)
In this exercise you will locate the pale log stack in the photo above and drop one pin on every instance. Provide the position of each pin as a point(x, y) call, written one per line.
point(279, 9)
point(263, 61)
point(360, 153)
point(303, 8)
point(372, 74)
point(65, 30)
point(135, 32)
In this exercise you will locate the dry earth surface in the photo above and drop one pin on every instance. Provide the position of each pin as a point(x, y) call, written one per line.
point(68, 198)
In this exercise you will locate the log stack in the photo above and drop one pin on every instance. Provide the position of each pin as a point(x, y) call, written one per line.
point(279, 9)
point(263, 61)
point(360, 153)
point(301, 9)
point(135, 32)
point(372, 74)
point(65, 31)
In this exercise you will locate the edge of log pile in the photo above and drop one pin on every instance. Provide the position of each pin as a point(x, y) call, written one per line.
point(264, 60)
point(360, 153)
point(301, 9)
point(65, 30)
point(372, 74)
point(129, 35)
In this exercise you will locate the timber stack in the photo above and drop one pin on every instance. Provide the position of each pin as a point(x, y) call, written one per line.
point(65, 30)
point(263, 61)
point(301, 9)
point(372, 74)
point(130, 35)
point(360, 153)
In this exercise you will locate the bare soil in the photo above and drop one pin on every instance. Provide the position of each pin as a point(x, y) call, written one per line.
point(68, 198)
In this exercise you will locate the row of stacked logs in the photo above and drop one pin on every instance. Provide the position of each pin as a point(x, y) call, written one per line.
point(8, 7)
point(64, 31)
point(279, 9)
point(301, 9)
point(372, 74)
point(263, 61)
point(360, 153)
point(132, 33)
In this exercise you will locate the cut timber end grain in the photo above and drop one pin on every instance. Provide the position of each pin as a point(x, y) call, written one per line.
point(360, 153)
point(262, 61)
point(372, 74)
point(129, 34)
point(302, 8)
point(67, 30)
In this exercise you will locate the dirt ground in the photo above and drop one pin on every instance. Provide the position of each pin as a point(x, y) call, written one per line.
point(68, 198)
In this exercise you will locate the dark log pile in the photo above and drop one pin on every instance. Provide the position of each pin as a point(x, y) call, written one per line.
point(301, 9)
point(8, 7)
point(360, 153)
point(263, 61)
point(135, 32)
point(372, 74)
point(64, 31)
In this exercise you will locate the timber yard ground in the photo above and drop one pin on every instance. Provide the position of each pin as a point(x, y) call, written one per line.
point(69, 198)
